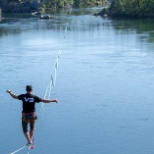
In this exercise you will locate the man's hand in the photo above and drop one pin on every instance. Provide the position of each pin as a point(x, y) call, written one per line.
point(8, 91)
point(12, 95)
point(56, 101)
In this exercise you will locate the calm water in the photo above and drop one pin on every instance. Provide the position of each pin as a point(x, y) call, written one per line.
point(105, 84)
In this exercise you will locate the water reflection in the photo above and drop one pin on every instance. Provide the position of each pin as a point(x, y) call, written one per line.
point(143, 27)
point(16, 23)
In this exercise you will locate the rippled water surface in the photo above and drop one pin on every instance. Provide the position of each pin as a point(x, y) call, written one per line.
point(105, 83)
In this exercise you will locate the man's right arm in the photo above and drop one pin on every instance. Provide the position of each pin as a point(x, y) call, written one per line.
point(12, 94)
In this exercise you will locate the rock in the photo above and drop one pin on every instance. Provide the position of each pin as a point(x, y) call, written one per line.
point(40, 11)
point(36, 13)
point(103, 13)
point(47, 17)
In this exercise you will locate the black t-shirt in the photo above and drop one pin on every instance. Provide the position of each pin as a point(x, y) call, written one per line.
point(29, 101)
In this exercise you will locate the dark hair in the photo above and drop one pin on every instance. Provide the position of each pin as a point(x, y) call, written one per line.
point(29, 88)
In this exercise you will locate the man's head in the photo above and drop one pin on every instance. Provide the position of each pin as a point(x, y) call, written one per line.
point(29, 88)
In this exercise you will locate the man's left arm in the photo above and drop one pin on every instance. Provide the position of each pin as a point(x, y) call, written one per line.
point(48, 100)
point(12, 94)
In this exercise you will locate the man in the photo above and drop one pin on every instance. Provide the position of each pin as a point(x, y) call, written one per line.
point(28, 112)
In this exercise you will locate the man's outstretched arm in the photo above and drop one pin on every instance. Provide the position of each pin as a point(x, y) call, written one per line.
point(12, 94)
point(48, 100)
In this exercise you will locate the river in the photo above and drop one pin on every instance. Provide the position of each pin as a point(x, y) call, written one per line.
point(105, 83)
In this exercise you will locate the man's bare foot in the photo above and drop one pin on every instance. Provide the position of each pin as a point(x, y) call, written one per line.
point(29, 143)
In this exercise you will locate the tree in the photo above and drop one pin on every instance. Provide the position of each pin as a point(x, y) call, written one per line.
point(132, 8)
point(10, 4)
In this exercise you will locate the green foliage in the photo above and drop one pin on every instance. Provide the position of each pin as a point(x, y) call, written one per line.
point(132, 8)
point(87, 3)
point(18, 5)
point(50, 4)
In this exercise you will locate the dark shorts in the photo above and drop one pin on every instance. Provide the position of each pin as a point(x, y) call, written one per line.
point(28, 119)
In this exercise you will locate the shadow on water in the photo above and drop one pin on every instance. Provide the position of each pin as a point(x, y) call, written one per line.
point(143, 27)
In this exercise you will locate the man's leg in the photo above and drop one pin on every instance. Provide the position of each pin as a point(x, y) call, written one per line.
point(26, 133)
point(32, 126)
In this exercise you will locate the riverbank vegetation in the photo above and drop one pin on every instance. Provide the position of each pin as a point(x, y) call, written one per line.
point(130, 8)
point(18, 6)
point(34, 5)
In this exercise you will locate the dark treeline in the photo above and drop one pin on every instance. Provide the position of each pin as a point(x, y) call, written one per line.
point(34, 5)
point(75, 3)
point(18, 5)
point(132, 8)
